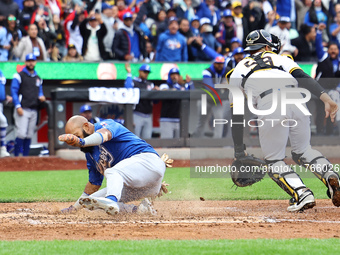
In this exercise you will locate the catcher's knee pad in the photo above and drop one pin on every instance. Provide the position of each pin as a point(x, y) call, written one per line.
point(286, 178)
point(316, 162)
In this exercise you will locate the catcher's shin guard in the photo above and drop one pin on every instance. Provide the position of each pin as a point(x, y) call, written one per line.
point(322, 169)
point(286, 178)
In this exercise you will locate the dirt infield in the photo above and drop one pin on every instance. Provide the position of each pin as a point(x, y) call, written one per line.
point(175, 220)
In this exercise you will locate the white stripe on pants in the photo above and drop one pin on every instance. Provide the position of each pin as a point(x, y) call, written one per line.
point(135, 178)
point(26, 123)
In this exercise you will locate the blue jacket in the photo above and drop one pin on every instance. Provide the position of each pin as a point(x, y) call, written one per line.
point(5, 39)
point(15, 87)
point(172, 48)
point(2, 87)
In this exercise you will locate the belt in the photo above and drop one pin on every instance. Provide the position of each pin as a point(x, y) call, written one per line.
point(269, 91)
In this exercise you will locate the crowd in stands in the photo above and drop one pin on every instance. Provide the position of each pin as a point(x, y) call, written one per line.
point(159, 30)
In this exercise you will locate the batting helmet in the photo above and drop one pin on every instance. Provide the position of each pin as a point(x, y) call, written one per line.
point(257, 39)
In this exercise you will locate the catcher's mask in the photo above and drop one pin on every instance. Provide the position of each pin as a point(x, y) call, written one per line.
point(257, 39)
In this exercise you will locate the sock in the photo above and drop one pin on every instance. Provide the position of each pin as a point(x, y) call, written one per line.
point(2, 136)
point(18, 148)
point(27, 143)
point(113, 198)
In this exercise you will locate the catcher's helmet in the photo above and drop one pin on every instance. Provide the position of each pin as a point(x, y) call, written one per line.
point(257, 39)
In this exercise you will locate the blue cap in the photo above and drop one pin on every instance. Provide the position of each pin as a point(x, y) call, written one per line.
point(106, 6)
point(195, 18)
point(227, 13)
point(85, 108)
point(145, 68)
point(174, 70)
point(30, 57)
point(171, 19)
point(127, 15)
point(235, 39)
point(238, 50)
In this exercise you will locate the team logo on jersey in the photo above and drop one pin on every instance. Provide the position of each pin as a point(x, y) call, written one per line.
point(105, 160)
point(173, 44)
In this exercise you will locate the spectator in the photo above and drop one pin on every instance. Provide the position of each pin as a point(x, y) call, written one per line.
point(72, 27)
point(240, 22)
point(195, 26)
point(109, 21)
point(286, 8)
point(86, 111)
point(26, 14)
point(3, 120)
point(30, 43)
point(236, 57)
point(122, 9)
point(226, 30)
point(327, 74)
point(184, 29)
point(207, 9)
point(150, 53)
point(305, 44)
point(72, 54)
point(7, 7)
point(13, 29)
point(5, 44)
point(256, 18)
point(93, 31)
point(142, 115)
point(43, 12)
point(46, 35)
point(157, 26)
point(334, 29)
point(27, 93)
point(184, 9)
point(301, 9)
point(215, 74)
point(170, 112)
point(59, 40)
point(281, 31)
point(55, 7)
point(171, 44)
point(129, 41)
point(208, 39)
point(316, 14)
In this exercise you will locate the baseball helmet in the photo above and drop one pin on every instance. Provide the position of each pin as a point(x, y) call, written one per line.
point(257, 39)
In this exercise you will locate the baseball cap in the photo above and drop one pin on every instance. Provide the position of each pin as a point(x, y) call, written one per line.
point(85, 108)
point(30, 57)
point(219, 59)
point(127, 15)
point(284, 19)
point(145, 68)
point(71, 46)
point(195, 18)
point(174, 70)
point(235, 39)
point(238, 50)
point(227, 13)
point(204, 21)
point(106, 6)
point(171, 19)
point(236, 4)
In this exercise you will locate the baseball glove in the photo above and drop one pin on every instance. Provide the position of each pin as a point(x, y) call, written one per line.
point(247, 170)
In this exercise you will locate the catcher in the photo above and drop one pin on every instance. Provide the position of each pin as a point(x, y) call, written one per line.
point(252, 75)
point(132, 168)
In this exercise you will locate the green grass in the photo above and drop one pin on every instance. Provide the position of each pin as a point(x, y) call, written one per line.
point(258, 246)
point(68, 185)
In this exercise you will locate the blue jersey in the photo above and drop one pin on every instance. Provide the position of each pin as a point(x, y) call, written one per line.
point(123, 145)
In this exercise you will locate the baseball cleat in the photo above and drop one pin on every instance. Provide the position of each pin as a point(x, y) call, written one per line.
point(306, 201)
point(4, 152)
point(334, 189)
point(92, 203)
point(145, 207)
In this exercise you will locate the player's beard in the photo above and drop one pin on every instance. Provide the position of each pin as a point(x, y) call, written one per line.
point(86, 149)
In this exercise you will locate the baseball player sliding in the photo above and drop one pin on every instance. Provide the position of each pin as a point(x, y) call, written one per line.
point(266, 77)
point(132, 167)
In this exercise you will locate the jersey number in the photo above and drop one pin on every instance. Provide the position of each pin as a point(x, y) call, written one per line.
point(267, 60)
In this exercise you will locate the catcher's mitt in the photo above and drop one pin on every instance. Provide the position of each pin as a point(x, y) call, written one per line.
point(247, 170)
